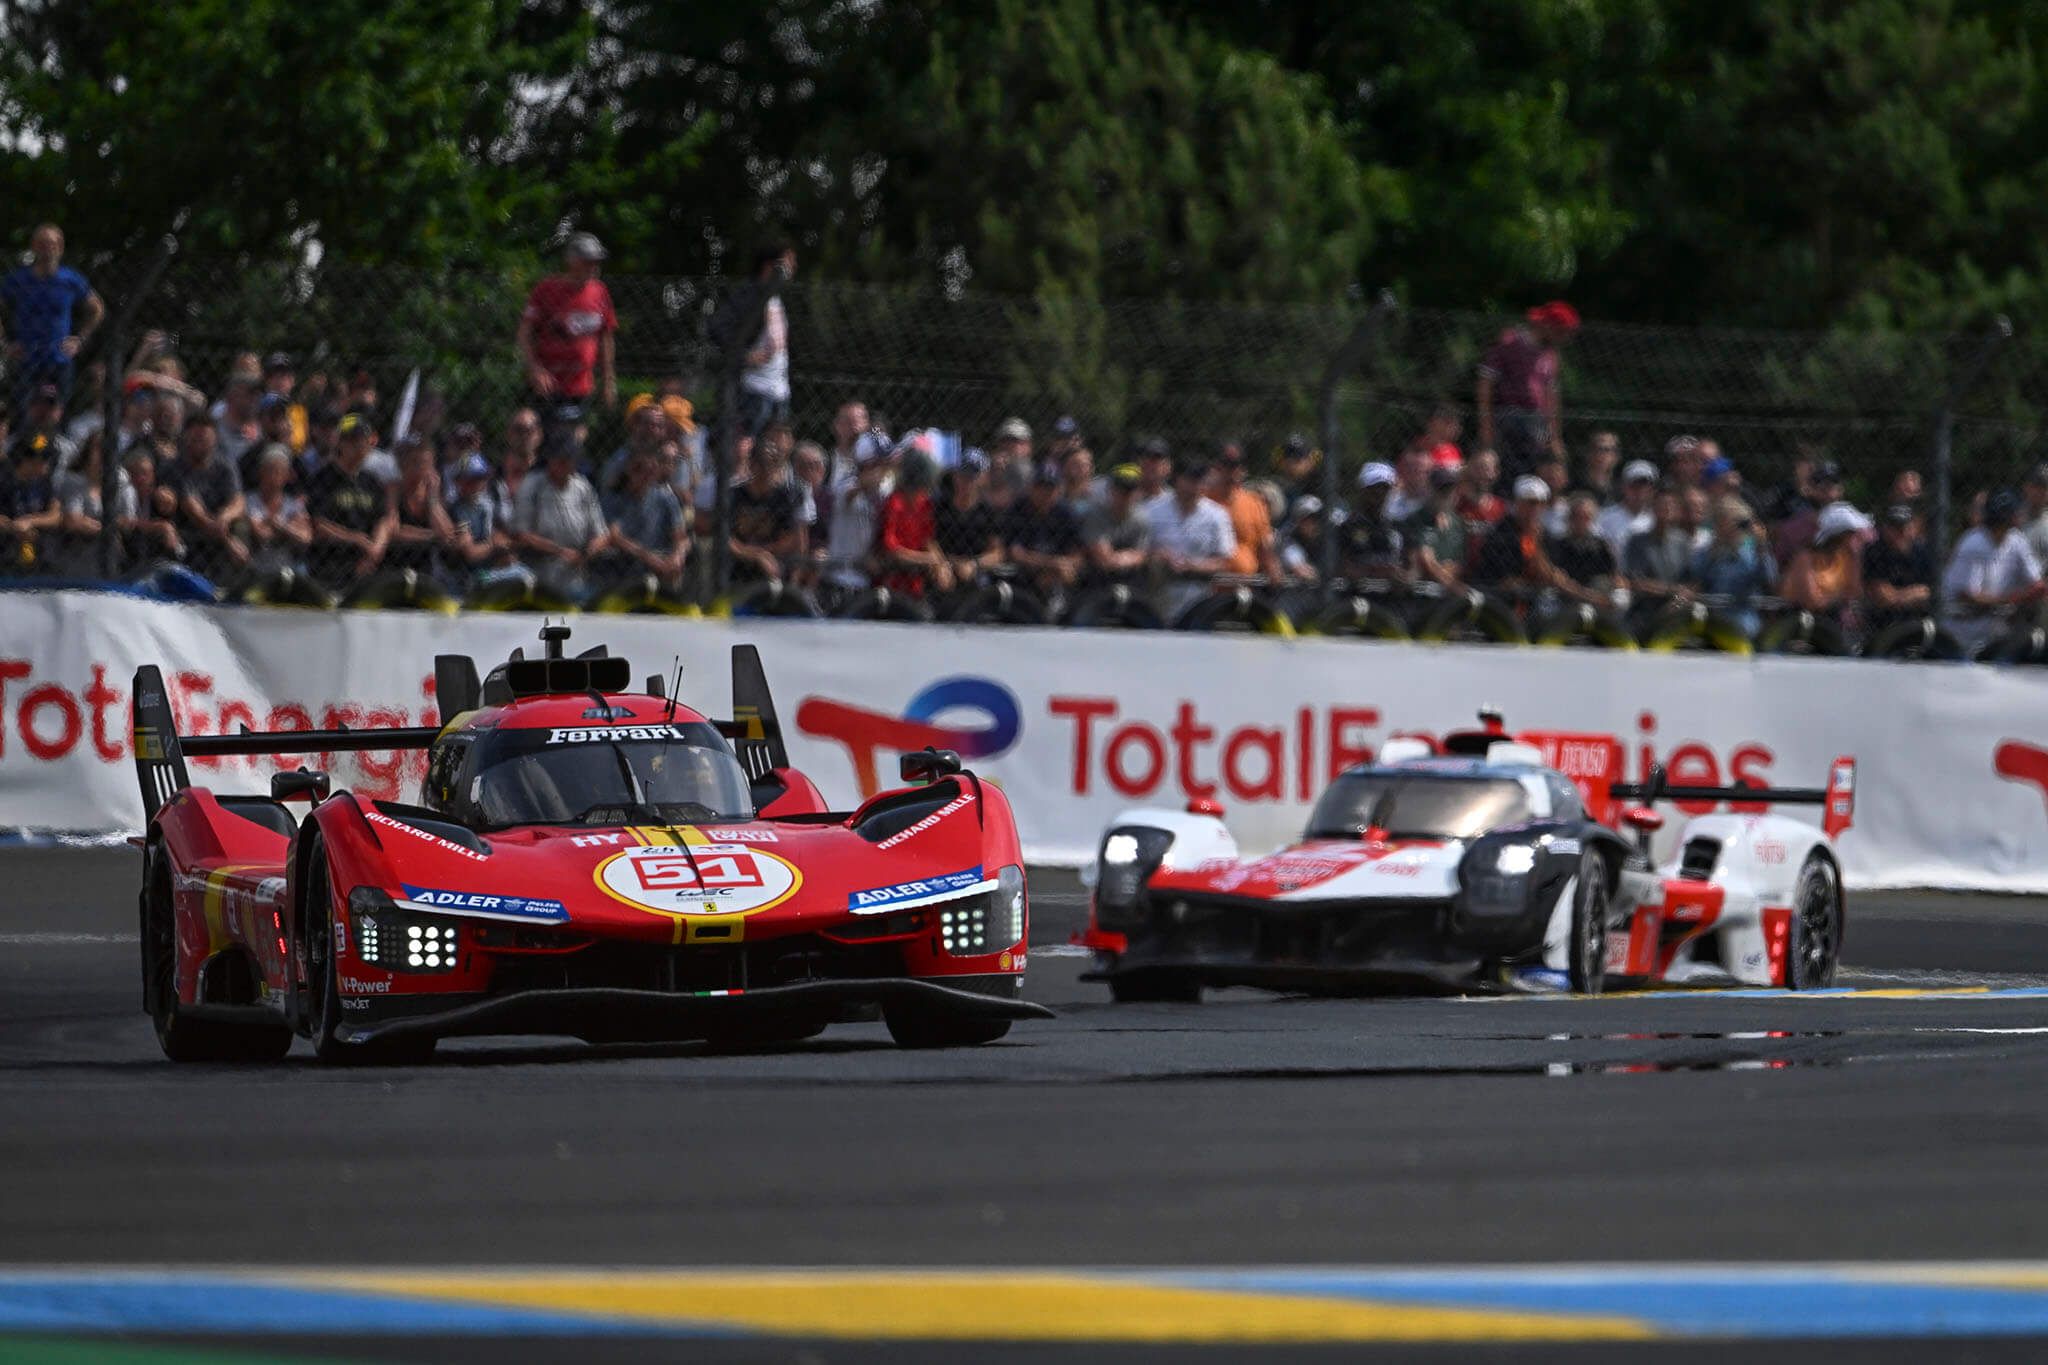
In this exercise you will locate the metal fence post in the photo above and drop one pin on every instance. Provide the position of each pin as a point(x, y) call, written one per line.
point(1342, 360)
point(1944, 440)
point(116, 346)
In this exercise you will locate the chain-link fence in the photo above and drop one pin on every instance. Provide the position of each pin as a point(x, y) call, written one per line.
point(434, 355)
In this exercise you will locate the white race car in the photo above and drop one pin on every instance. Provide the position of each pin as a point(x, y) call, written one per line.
point(1485, 860)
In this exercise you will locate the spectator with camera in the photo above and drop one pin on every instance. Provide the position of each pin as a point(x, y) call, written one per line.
point(423, 535)
point(856, 516)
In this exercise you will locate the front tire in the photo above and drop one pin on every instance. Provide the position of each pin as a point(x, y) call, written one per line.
point(1818, 920)
point(918, 1028)
point(1587, 961)
point(323, 1005)
point(182, 1037)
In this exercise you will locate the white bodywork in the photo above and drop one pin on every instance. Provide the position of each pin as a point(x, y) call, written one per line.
point(1759, 865)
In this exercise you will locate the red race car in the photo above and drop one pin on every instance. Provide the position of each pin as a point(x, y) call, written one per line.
point(582, 861)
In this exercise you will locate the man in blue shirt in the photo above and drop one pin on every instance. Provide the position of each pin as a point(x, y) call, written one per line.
point(50, 311)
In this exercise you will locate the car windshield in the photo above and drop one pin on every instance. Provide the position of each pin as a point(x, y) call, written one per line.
point(607, 774)
point(1410, 805)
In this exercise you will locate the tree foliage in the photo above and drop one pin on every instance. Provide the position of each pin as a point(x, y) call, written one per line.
point(1868, 164)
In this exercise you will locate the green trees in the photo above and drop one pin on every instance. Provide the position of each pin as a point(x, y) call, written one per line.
point(1759, 163)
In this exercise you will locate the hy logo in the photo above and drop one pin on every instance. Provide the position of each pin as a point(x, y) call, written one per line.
point(863, 731)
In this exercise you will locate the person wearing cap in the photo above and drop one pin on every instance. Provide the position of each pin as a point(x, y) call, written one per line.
point(1251, 520)
point(44, 422)
point(1043, 539)
point(1155, 473)
point(906, 537)
point(1369, 545)
point(1066, 439)
point(29, 511)
point(479, 536)
point(1992, 571)
point(1631, 516)
point(1898, 569)
point(1300, 540)
point(353, 516)
point(764, 372)
point(1011, 445)
point(967, 531)
point(1826, 576)
point(1116, 535)
point(49, 310)
point(647, 533)
point(1735, 567)
point(1520, 412)
point(565, 334)
point(1192, 540)
point(210, 502)
point(1299, 476)
point(1795, 533)
point(1437, 537)
point(279, 528)
point(558, 522)
point(1513, 554)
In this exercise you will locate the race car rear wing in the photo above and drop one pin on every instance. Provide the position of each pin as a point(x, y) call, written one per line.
point(1837, 798)
point(160, 750)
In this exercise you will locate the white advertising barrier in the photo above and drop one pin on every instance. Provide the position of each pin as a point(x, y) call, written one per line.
point(1952, 789)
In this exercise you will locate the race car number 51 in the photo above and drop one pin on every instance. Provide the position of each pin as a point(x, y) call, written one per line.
point(706, 879)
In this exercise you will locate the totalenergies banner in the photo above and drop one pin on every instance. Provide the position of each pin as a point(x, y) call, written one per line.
point(1953, 759)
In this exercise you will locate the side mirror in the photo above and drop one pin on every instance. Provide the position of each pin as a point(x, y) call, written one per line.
point(300, 782)
point(1644, 819)
point(928, 765)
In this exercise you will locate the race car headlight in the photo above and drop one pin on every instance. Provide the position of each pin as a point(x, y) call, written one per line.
point(1129, 857)
point(401, 940)
point(1515, 860)
point(975, 926)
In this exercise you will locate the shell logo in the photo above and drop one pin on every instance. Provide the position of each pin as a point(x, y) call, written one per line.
point(702, 879)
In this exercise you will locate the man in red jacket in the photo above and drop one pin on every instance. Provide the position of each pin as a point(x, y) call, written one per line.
point(565, 334)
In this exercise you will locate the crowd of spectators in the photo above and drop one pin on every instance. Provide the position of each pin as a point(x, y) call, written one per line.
point(318, 476)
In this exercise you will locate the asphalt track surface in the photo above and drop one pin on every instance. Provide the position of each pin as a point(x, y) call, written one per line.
point(1903, 1122)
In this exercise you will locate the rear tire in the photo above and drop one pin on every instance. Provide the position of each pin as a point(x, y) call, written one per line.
point(918, 1028)
point(182, 1037)
point(1586, 962)
point(1155, 990)
point(1817, 923)
point(324, 1004)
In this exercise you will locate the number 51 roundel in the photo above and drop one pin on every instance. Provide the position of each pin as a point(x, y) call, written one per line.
point(705, 879)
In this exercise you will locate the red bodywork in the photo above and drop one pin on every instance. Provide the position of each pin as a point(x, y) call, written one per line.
point(793, 874)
